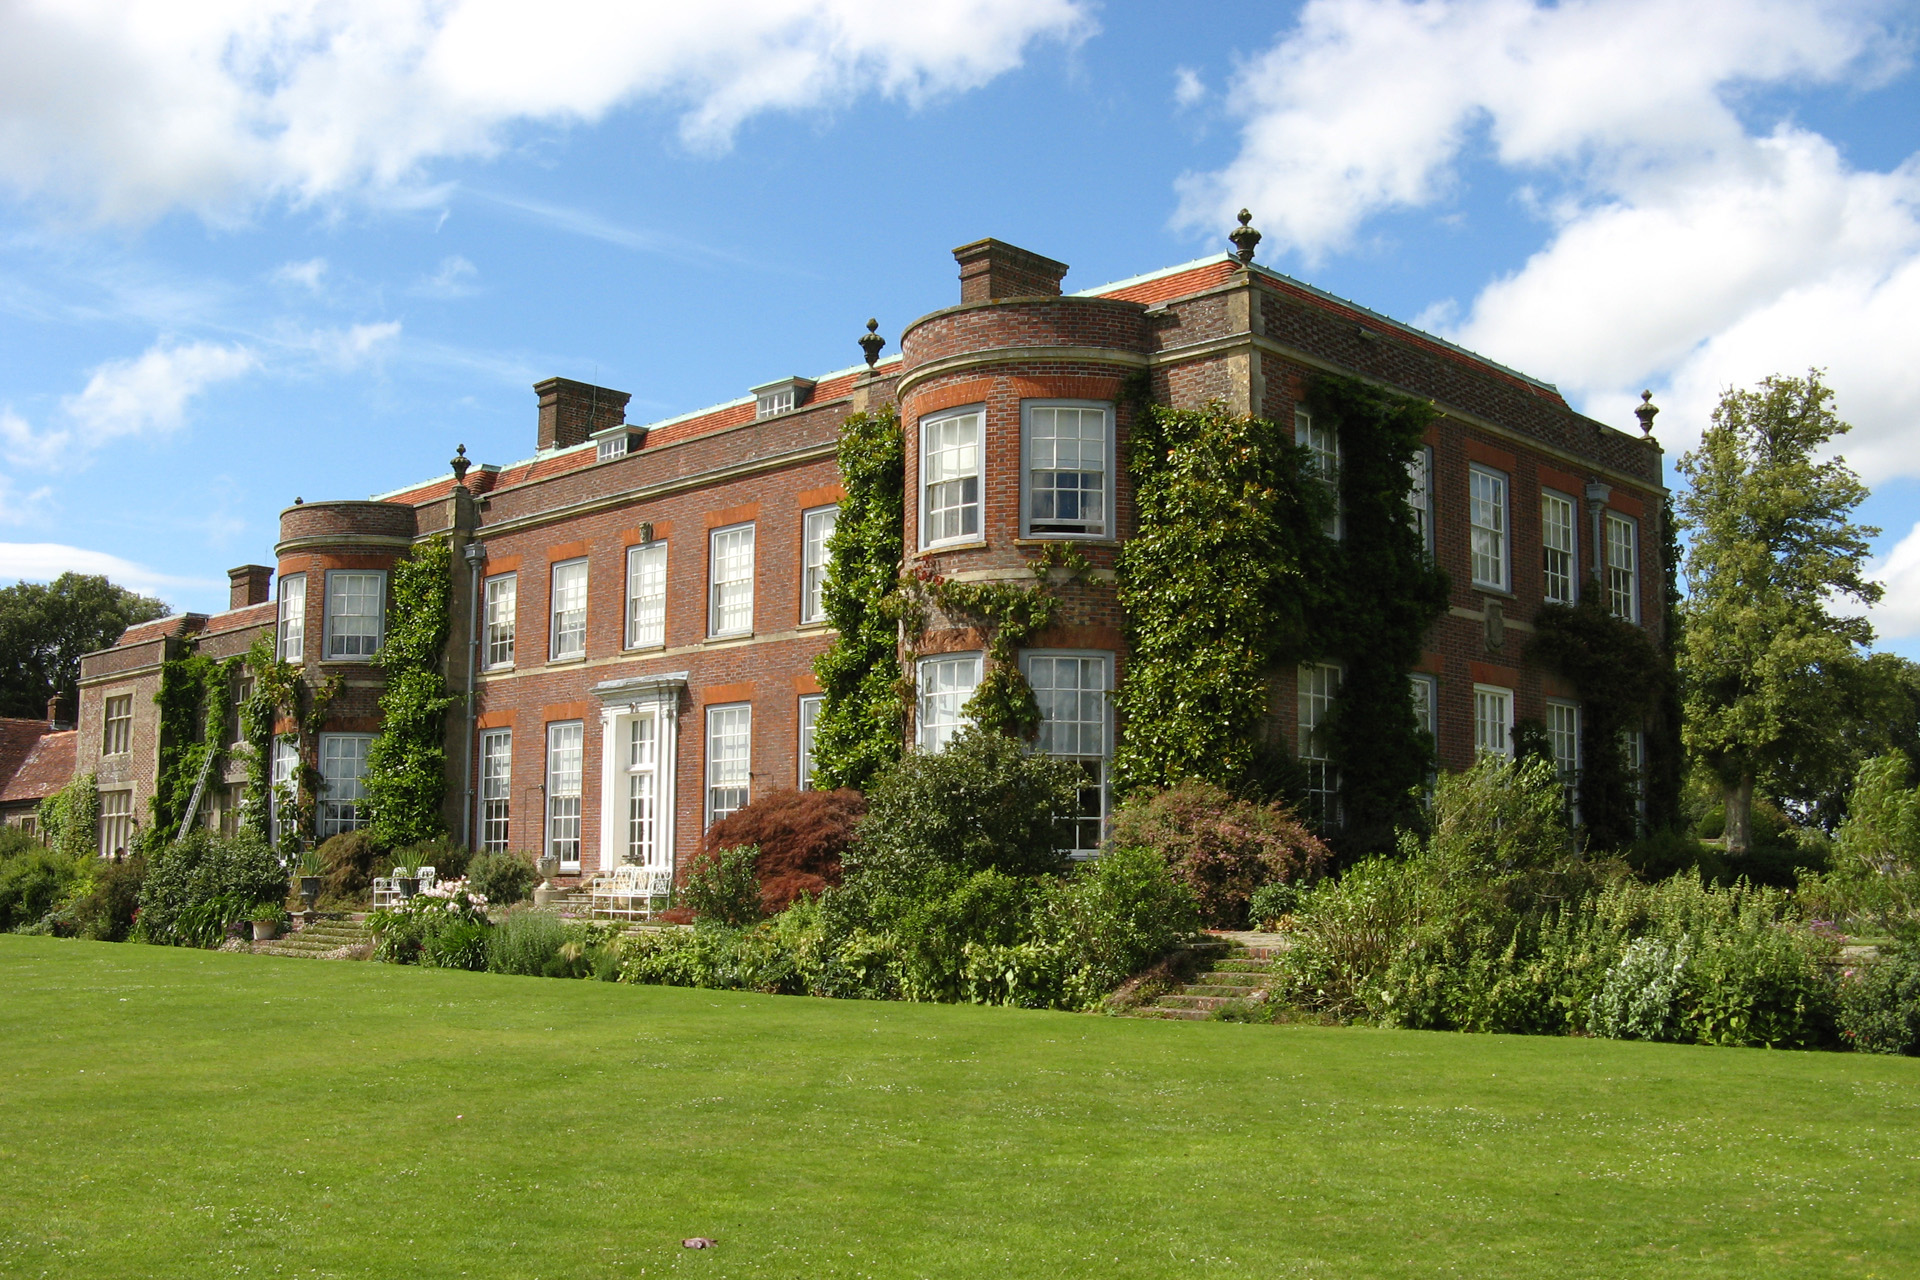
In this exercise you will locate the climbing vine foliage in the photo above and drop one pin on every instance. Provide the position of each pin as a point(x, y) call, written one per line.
point(858, 732)
point(406, 780)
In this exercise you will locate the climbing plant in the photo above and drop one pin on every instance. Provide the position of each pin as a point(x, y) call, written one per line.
point(195, 691)
point(1216, 585)
point(70, 817)
point(406, 780)
point(858, 732)
point(1382, 595)
point(284, 696)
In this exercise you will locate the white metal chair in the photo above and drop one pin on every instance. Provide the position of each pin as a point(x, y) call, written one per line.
point(428, 878)
point(383, 892)
point(658, 884)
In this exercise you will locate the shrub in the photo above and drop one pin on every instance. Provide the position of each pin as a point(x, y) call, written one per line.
point(32, 883)
point(15, 841)
point(1224, 849)
point(411, 932)
point(462, 945)
point(1644, 991)
point(721, 886)
point(504, 877)
point(1273, 902)
point(1880, 1004)
point(1875, 876)
point(201, 869)
point(801, 836)
point(449, 858)
point(103, 908)
point(526, 940)
point(349, 863)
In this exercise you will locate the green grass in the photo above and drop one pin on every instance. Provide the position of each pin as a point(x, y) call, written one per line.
point(184, 1113)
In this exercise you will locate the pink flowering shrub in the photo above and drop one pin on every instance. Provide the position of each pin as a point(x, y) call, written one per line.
point(1222, 848)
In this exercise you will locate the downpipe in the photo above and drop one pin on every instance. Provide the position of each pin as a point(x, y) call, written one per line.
point(475, 554)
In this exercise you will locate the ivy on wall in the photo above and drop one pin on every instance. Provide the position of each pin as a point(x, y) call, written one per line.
point(195, 692)
point(70, 817)
point(858, 731)
point(282, 694)
point(406, 780)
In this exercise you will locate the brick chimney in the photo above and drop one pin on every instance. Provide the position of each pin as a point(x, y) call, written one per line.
point(996, 269)
point(57, 713)
point(572, 411)
point(248, 585)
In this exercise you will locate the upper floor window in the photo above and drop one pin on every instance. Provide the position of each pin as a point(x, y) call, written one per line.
point(1623, 566)
point(1492, 720)
point(570, 609)
point(646, 595)
point(1322, 444)
point(242, 695)
point(1557, 546)
point(950, 477)
point(730, 597)
point(293, 617)
point(773, 402)
point(1420, 495)
point(503, 593)
point(117, 736)
point(1425, 691)
point(815, 528)
point(1069, 472)
point(356, 611)
point(343, 770)
point(946, 685)
point(1487, 516)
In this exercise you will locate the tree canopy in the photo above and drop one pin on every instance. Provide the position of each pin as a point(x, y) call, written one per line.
point(1767, 663)
point(45, 627)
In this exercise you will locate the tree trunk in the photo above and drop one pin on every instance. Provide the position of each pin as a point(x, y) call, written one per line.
point(1737, 796)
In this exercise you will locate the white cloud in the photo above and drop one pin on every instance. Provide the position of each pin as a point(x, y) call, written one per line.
point(305, 274)
point(453, 279)
point(146, 395)
point(1898, 613)
point(45, 561)
point(130, 107)
point(351, 347)
point(1188, 87)
point(17, 507)
point(1686, 253)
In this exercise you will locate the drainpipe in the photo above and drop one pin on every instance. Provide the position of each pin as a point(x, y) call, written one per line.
point(475, 554)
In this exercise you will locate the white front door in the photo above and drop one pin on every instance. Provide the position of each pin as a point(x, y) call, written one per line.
point(636, 827)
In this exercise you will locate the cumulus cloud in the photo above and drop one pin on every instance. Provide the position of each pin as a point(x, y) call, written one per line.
point(1897, 615)
point(1686, 251)
point(143, 396)
point(131, 107)
point(1188, 87)
point(305, 274)
point(45, 561)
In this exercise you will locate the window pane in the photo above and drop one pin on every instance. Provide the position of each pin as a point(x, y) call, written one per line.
point(1493, 721)
point(818, 527)
point(729, 760)
point(809, 718)
point(1319, 685)
point(286, 761)
point(564, 742)
point(1322, 444)
point(1072, 695)
point(642, 781)
point(1422, 689)
point(293, 617)
point(1487, 512)
point(950, 478)
point(502, 596)
point(1563, 737)
point(343, 764)
point(496, 787)
point(1556, 546)
point(647, 595)
point(946, 685)
point(355, 605)
point(1623, 567)
point(731, 562)
point(117, 738)
point(1066, 469)
point(570, 609)
point(1420, 495)
point(116, 822)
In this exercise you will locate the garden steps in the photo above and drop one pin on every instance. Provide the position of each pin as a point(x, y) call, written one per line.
point(327, 938)
point(1237, 973)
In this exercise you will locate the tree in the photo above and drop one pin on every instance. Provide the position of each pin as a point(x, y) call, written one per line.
point(44, 628)
point(1767, 665)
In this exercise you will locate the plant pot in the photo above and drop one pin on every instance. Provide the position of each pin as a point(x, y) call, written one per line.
point(409, 886)
point(266, 930)
point(549, 866)
point(309, 890)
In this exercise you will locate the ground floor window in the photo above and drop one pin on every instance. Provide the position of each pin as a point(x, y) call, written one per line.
point(496, 788)
point(282, 796)
point(1319, 685)
point(565, 742)
point(729, 759)
point(1633, 745)
point(116, 822)
point(1071, 690)
point(643, 781)
point(809, 717)
point(1563, 736)
point(343, 771)
point(1492, 720)
point(946, 685)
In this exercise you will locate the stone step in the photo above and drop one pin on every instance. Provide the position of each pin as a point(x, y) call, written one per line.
point(1204, 1004)
point(1231, 993)
point(1180, 1015)
point(1244, 977)
point(1241, 965)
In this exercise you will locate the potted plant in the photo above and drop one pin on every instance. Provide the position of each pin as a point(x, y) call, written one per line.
point(406, 876)
point(311, 869)
point(269, 918)
point(549, 866)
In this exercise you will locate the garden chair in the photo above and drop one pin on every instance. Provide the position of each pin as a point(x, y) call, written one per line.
point(382, 892)
point(428, 876)
point(656, 884)
point(600, 895)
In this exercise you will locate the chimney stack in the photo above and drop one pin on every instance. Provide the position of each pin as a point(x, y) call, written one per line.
point(995, 269)
point(248, 585)
point(570, 412)
point(57, 713)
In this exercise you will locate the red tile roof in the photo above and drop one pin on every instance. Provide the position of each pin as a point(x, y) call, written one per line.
point(42, 769)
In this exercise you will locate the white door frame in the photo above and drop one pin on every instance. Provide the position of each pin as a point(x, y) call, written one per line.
point(621, 702)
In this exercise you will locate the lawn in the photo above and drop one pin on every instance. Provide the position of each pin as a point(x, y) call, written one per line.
point(185, 1113)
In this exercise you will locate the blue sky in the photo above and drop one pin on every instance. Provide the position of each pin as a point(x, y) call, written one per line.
point(269, 249)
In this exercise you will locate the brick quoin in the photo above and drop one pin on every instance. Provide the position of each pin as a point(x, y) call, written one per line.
point(1209, 331)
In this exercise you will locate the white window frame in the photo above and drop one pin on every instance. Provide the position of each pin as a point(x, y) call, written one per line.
point(646, 611)
point(1623, 566)
point(116, 821)
point(816, 527)
point(1420, 494)
point(1317, 688)
point(116, 731)
point(1489, 520)
point(1054, 527)
point(729, 751)
point(566, 779)
point(285, 785)
point(1563, 739)
point(1559, 548)
point(292, 622)
point(342, 793)
point(640, 754)
point(771, 403)
point(242, 694)
point(496, 789)
point(1492, 720)
point(567, 609)
point(1633, 745)
point(1076, 724)
point(345, 586)
point(1323, 444)
point(502, 616)
point(945, 683)
point(1424, 690)
point(966, 509)
point(730, 550)
point(809, 722)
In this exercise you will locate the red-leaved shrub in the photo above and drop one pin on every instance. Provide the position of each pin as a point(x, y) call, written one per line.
point(801, 835)
point(1221, 847)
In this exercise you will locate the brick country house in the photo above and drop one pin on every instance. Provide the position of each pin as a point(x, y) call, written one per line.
point(642, 603)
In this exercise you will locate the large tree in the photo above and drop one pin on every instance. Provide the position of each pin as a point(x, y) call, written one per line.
point(1769, 668)
point(45, 627)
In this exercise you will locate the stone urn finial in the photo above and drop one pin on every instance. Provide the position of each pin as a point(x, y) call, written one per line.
point(460, 463)
point(871, 342)
point(1645, 411)
point(1244, 239)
